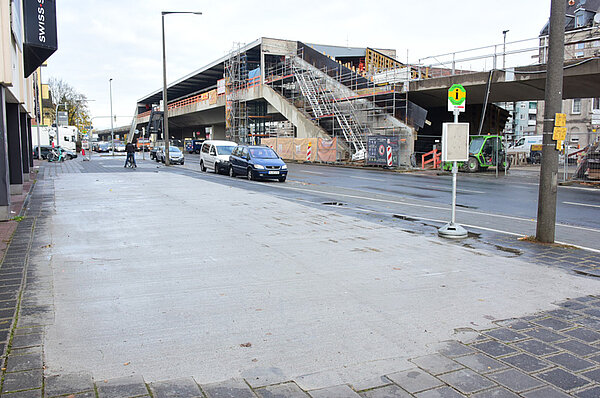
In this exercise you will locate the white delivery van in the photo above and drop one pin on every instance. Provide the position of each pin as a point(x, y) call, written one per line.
point(523, 144)
point(67, 136)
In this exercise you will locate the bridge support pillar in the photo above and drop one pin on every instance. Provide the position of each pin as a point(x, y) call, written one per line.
point(218, 132)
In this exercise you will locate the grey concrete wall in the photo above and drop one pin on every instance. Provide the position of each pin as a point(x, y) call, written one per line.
point(218, 131)
point(15, 162)
point(4, 177)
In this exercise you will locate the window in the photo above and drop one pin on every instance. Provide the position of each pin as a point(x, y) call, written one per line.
point(596, 43)
point(533, 105)
point(532, 116)
point(579, 19)
point(205, 148)
point(576, 106)
point(596, 104)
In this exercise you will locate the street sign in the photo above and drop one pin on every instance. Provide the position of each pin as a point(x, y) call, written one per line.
point(560, 120)
point(559, 134)
point(455, 142)
point(62, 118)
point(457, 98)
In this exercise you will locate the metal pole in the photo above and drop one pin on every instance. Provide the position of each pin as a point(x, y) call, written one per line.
point(504, 32)
point(38, 114)
point(546, 217)
point(566, 157)
point(112, 128)
point(454, 178)
point(165, 104)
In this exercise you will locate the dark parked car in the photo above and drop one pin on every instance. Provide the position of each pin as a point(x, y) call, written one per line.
point(45, 150)
point(193, 146)
point(256, 162)
point(104, 146)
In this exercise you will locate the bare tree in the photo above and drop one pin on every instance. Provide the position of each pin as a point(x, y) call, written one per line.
point(63, 93)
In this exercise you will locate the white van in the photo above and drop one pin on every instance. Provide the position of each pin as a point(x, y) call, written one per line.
point(215, 155)
point(523, 144)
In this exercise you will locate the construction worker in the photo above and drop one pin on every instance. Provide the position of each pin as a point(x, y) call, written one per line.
point(130, 148)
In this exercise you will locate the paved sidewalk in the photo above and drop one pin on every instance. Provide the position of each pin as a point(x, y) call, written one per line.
point(71, 299)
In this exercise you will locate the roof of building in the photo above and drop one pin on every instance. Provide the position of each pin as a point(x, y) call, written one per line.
point(589, 7)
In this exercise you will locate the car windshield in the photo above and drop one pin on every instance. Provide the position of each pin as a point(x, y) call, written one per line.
point(174, 149)
point(263, 153)
point(476, 144)
point(224, 150)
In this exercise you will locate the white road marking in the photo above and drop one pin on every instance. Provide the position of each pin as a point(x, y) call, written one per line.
point(457, 189)
point(581, 204)
point(309, 172)
point(529, 220)
point(367, 178)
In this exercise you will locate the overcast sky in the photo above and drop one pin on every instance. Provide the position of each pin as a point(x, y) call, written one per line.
point(121, 39)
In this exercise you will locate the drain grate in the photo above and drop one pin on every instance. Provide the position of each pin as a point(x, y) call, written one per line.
point(334, 204)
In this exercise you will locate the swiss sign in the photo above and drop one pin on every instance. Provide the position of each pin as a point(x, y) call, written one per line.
point(457, 98)
point(560, 120)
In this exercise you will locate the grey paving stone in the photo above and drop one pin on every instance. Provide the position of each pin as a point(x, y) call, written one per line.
point(466, 381)
point(231, 388)
point(286, 390)
point(499, 392)
point(264, 376)
point(177, 388)
point(577, 347)
point(591, 323)
point(26, 340)
point(571, 362)
point(37, 393)
point(554, 324)
point(481, 363)
point(545, 392)
point(386, 392)
point(594, 375)
point(442, 392)
point(414, 380)
point(370, 383)
point(342, 391)
point(565, 314)
point(506, 335)
point(516, 324)
point(436, 364)
point(16, 363)
point(122, 387)
point(589, 336)
point(515, 380)
point(494, 348)
point(536, 347)
point(22, 380)
point(72, 383)
point(595, 312)
point(563, 379)
point(453, 349)
point(545, 335)
point(526, 362)
point(582, 299)
point(589, 393)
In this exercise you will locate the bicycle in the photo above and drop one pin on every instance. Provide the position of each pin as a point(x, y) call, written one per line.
point(129, 163)
point(55, 155)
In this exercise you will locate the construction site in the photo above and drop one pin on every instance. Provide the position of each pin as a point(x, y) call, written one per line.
point(324, 103)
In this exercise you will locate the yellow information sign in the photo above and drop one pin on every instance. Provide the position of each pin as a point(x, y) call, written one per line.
point(559, 145)
point(560, 119)
point(559, 134)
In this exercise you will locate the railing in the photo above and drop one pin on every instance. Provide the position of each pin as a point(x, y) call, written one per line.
point(435, 160)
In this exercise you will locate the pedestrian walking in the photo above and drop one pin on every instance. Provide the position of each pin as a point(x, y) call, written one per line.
point(130, 148)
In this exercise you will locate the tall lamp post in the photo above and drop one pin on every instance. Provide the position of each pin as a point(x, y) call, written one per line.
point(165, 104)
point(56, 120)
point(504, 32)
point(112, 128)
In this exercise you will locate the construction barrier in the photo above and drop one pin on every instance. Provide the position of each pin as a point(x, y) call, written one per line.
point(304, 149)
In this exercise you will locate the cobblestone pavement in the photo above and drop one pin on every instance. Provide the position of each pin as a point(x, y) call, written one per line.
point(555, 353)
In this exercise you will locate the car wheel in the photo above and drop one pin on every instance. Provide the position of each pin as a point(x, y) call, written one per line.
point(182, 163)
point(70, 157)
point(202, 168)
point(216, 168)
point(250, 175)
point(231, 171)
point(197, 151)
point(472, 164)
point(281, 179)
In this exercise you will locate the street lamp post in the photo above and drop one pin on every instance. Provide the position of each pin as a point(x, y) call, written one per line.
point(504, 32)
point(112, 128)
point(56, 121)
point(165, 104)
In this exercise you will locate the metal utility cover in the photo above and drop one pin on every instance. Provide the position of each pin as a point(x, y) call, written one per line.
point(455, 142)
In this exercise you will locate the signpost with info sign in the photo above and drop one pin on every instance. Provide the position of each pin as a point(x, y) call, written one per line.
point(455, 148)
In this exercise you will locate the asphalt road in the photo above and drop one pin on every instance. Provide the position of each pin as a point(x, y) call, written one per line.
point(507, 204)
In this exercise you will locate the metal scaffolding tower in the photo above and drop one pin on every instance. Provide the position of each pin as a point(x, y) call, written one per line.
point(236, 109)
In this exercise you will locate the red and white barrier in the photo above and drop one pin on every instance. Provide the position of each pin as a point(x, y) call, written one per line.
point(309, 152)
point(389, 156)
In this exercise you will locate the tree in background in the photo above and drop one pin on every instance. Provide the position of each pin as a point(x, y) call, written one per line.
point(77, 108)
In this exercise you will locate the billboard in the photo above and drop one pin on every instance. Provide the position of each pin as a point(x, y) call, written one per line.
point(41, 40)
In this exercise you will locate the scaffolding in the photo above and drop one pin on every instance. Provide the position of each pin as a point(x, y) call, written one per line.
point(342, 101)
point(236, 109)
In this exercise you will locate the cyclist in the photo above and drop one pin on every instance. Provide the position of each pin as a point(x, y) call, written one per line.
point(130, 148)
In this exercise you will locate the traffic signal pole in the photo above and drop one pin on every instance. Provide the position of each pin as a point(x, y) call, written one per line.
point(546, 218)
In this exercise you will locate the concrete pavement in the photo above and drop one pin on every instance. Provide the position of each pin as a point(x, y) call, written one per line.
point(150, 275)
